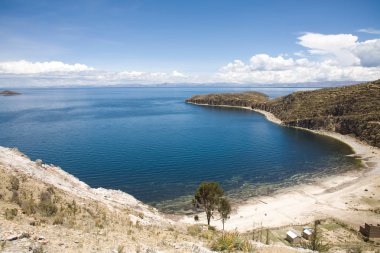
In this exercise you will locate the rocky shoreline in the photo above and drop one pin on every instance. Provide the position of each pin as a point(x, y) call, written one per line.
point(350, 110)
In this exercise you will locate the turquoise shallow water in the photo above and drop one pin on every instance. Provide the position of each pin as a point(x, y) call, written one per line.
point(149, 143)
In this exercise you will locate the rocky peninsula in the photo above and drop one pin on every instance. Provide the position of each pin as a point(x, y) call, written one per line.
point(350, 110)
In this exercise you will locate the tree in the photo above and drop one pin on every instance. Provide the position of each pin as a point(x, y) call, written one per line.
point(207, 196)
point(224, 209)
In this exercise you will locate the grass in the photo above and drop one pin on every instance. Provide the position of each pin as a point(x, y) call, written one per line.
point(10, 213)
point(331, 226)
point(232, 242)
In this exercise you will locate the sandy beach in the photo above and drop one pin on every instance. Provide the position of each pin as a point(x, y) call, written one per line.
point(350, 197)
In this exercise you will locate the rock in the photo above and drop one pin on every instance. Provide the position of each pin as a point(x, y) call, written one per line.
point(12, 238)
point(39, 162)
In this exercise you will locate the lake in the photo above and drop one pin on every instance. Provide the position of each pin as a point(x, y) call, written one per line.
point(149, 143)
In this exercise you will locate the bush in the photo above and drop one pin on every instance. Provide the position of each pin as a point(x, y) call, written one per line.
point(15, 183)
point(99, 224)
point(231, 242)
point(194, 230)
point(58, 220)
point(15, 197)
point(46, 205)
point(315, 242)
point(29, 206)
point(10, 214)
point(73, 208)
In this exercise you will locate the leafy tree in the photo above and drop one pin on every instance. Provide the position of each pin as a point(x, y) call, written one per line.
point(207, 196)
point(224, 209)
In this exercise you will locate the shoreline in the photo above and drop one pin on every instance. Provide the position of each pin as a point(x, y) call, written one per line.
point(348, 197)
point(360, 148)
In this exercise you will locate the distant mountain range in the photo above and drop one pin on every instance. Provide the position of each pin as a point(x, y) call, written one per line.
point(20, 84)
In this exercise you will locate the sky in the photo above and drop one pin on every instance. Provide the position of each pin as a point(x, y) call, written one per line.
point(249, 42)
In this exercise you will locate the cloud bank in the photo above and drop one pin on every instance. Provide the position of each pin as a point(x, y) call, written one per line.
point(338, 57)
point(324, 57)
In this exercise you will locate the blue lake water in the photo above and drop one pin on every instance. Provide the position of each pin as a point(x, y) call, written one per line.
point(151, 144)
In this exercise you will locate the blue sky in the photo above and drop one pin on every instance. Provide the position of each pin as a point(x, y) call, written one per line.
point(194, 38)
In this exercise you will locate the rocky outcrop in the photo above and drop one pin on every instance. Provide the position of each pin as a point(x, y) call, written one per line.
point(9, 93)
point(351, 110)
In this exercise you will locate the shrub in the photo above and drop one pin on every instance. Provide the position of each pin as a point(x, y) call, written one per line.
point(58, 220)
point(194, 230)
point(10, 214)
point(99, 224)
point(46, 206)
point(73, 208)
point(28, 206)
point(15, 183)
point(231, 242)
point(316, 243)
point(15, 197)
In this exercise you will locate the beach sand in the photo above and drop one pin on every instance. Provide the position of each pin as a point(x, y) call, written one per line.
point(350, 197)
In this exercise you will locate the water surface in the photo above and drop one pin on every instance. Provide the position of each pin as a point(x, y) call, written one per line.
point(149, 143)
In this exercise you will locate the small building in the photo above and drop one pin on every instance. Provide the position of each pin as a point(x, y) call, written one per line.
point(307, 233)
point(292, 237)
point(370, 231)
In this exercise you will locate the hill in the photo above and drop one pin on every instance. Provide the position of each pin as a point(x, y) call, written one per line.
point(350, 110)
point(45, 209)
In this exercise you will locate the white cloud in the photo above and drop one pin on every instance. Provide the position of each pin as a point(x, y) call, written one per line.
point(336, 57)
point(290, 70)
point(345, 49)
point(56, 72)
point(368, 52)
point(26, 67)
point(336, 45)
point(369, 30)
point(148, 77)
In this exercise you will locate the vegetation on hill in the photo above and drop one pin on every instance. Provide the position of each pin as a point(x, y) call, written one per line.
point(352, 110)
point(232, 99)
